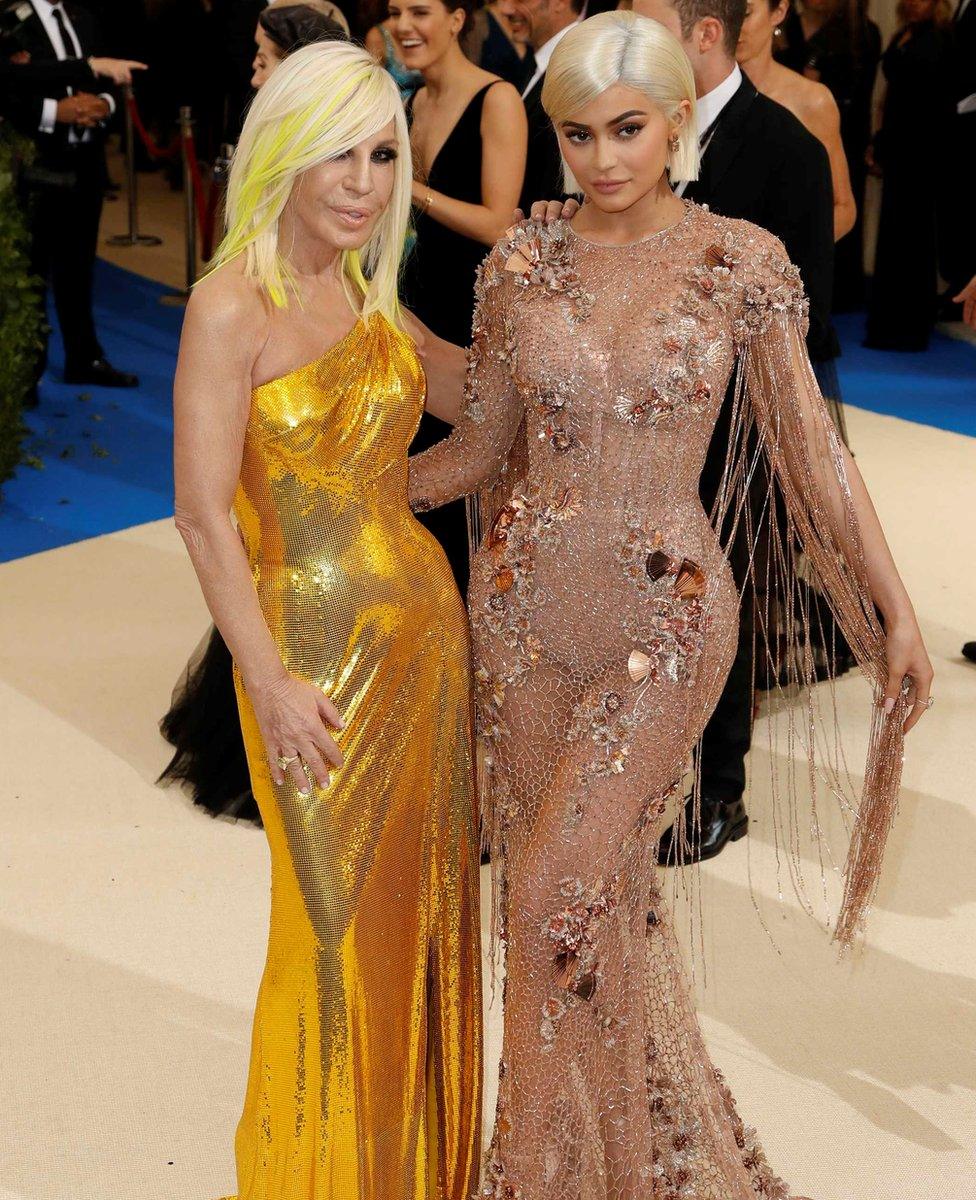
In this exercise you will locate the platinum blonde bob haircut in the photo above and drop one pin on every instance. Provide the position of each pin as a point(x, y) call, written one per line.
point(319, 103)
point(621, 47)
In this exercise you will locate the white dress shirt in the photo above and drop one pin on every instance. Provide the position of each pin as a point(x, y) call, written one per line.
point(542, 56)
point(708, 108)
point(49, 110)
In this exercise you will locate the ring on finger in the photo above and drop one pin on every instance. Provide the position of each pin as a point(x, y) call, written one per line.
point(285, 760)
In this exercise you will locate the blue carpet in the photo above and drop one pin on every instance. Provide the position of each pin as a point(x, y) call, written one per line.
point(934, 387)
point(102, 459)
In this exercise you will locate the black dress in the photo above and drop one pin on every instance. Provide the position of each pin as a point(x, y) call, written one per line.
point(204, 728)
point(915, 134)
point(843, 55)
point(438, 286)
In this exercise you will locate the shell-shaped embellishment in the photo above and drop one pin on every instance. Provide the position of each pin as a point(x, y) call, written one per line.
point(498, 534)
point(659, 562)
point(504, 579)
point(691, 580)
point(525, 257)
point(638, 666)
point(715, 256)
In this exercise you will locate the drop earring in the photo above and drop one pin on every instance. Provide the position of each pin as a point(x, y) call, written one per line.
point(674, 143)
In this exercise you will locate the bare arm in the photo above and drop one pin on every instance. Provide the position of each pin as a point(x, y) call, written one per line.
point(444, 365)
point(504, 137)
point(824, 123)
point(224, 332)
point(475, 454)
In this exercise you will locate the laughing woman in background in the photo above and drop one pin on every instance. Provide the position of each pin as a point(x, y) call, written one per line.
point(468, 134)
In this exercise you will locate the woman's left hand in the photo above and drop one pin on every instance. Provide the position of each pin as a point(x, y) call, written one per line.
point(907, 656)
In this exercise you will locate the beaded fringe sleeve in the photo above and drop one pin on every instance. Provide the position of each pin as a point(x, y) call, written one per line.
point(784, 489)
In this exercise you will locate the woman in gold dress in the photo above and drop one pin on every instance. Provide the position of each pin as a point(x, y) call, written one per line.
point(604, 616)
point(298, 391)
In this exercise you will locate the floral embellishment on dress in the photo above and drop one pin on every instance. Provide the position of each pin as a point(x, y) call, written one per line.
point(643, 410)
point(554, 1008)
point(497, 1185)
point(540, 255)
point(572, 931)
point(601, 720)
point(676, 1133)
point(765, 1183)
point(671, 630)
point(777, 291)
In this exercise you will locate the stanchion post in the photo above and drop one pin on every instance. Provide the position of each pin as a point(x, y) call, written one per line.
point(186, 133)
point(133, 237)
point(189, 212)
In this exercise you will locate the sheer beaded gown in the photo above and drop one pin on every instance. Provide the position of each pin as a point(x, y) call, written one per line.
point(365, 1077)
point(604, 620)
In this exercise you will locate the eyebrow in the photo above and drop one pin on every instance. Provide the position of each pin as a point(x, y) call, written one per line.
point(633, 112)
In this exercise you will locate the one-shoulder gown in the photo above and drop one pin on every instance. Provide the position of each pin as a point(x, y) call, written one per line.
point(365, 1069)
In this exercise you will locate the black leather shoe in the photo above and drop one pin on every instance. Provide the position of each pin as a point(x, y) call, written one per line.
point(969, 651)
point(101, 373)
point(722, 821)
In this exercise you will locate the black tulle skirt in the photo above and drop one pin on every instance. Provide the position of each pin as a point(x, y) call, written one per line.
point(204, 728)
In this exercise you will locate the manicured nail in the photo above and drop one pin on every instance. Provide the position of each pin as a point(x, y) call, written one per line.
point(889, 705)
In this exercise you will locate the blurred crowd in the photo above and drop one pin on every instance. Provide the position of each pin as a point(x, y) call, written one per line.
point(471, 78)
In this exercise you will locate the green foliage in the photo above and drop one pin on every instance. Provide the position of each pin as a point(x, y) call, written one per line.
point(21, 315)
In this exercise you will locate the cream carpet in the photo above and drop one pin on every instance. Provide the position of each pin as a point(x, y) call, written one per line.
point(132, 928)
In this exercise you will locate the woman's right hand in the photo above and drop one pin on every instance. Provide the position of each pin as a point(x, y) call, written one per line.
point(294, 718)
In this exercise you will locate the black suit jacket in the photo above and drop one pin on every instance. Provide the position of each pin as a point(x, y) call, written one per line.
point(762, 165)
point(26, 105)
point(544, 163)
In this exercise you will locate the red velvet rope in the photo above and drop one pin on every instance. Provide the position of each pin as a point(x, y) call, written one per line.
point(205, 200)
point(152, 149)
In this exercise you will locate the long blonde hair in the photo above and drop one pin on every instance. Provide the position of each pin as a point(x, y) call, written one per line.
point(323, 100)
point(621, 47)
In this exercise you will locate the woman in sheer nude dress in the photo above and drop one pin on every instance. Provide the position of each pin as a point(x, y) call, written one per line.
point(604, 618)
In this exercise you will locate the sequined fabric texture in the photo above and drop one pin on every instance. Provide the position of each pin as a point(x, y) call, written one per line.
point(604, 617)
point(365, 1077)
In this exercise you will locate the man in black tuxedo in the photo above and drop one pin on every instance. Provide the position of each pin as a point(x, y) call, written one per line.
point(549, 21)
point(761, 165)
point(67, 181)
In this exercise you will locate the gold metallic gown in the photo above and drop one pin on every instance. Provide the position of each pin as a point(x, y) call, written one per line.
point(365, 1076)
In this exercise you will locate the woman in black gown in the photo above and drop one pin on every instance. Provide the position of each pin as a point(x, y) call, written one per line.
point(468, 137)
point(915, 133)
point(836, 43)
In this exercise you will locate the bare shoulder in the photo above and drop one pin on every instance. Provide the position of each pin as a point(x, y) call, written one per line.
point(502, 100)
point(820, 111)
point(228, 307)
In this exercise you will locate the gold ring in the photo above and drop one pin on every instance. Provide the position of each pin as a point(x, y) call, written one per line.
point(285, 762)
